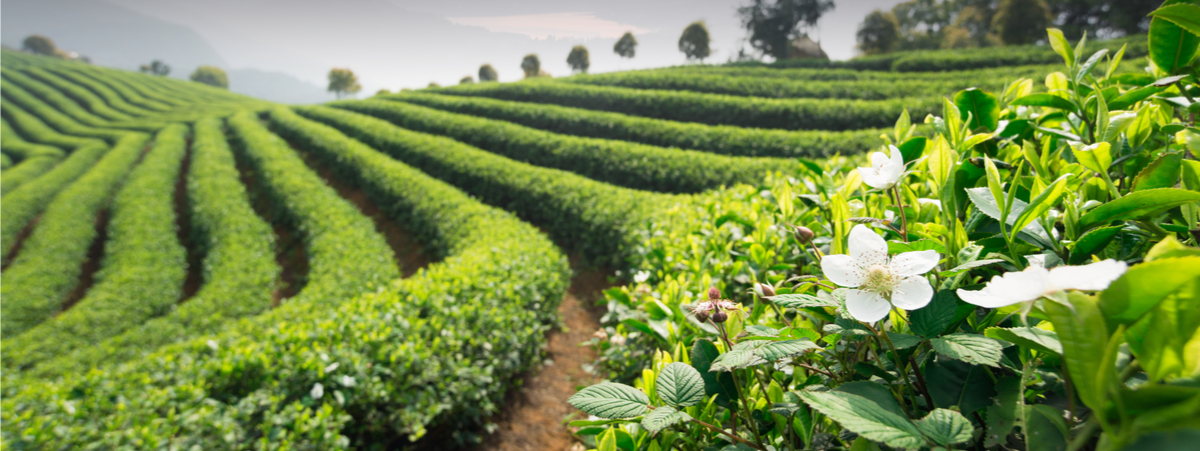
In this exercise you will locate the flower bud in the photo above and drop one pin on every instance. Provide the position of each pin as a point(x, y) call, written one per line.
point(719, 316)
point(714, 293)
point(803, 234)
point(702, 316)
point(764, 290)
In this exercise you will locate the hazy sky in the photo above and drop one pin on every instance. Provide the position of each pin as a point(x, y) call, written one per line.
point(409, 43)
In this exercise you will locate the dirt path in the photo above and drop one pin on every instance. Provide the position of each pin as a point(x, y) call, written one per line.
point(534, 418)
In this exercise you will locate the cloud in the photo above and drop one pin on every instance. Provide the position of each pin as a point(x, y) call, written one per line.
point(542, 26)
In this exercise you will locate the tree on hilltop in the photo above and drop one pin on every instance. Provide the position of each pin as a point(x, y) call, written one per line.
point(578, 59)
point(626, 46)
point(467, 80)
point(41, 45)
point(1021, 21)
point(772, 27)
point(210, 75)
point(878, 33)
point(487, 73)
point(156, 67)
point(531, 65)
point(343, 82)
point(694, 42)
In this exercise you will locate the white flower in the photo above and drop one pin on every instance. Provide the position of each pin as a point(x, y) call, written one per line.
point(318, 391)
point(641, 276)
point(1036, 281)
point(884, 172)
point(876, 282)
point(348, 381)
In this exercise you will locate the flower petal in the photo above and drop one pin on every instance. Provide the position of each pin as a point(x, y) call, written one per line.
point(873, 178)
point(984, 298)
point(912, 293)
point(867, 248)
point(894, 167)
point(914, 263)
point(1093, 277)
point(878, 160)
point(1027, 285)
point(867, 306)
point(842, 270)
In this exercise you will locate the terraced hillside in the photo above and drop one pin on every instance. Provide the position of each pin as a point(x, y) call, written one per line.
point(186, 268)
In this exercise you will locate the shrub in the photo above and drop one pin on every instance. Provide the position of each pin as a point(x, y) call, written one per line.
point(210, 75)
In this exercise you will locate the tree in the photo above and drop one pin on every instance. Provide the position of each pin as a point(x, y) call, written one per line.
point(433, 84)
point(626, 46)
point(878, 33)
point(342, 82)
point(695, 40)
point(487, 73)
point(772, 27)
point(210, 75)
point(40, 45)
point(467, 80)
point(531, 65)
point(578, 59)
point(1102, 17)
point(1021, 21)
point(156, 67)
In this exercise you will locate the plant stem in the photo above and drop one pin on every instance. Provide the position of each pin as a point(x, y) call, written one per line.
point(732, 436)
point(1084, 436)
point(746, 405)
point(903, 216)
point(812, 368)
point(921, 380)
point(895, 353)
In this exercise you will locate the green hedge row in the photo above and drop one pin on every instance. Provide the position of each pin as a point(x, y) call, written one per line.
point(144, 265)
point(54, 99)
point(434, 351)
point(346, 255)
point(720, 139)
point(55, 118)
point(713, 109)
point(596, 219)
point(239, 269)
point(51, 259)
point(33, 129)
point(23, 204)
point(105, 92)
point(30, 160)
point(6, 162)
point(806, 74)
point(622, 163)
point(79, 94)
point(785, 88)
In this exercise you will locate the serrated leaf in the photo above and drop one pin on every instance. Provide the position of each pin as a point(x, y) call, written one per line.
point(1136, 205)
point(1003, 414)
point(800, 301)
point(986, 203)
point(1171, 46)
point(1092, 242)
point(1143, 286)
point(959, 385)
point(1045, 428)
point(679, 385)
point(903, 341)
point(719, 384)
point(931, 320)
point(1184, 15)
point(783, 349)
point(737, 358)
point(1160, 173)
point(981, 106)
point(970, 348)
point(662, 418)
point(1029, 337)
point(969, 265)
point(866, 418)
point(945, 427)
point(611, 401)
point(760, 331)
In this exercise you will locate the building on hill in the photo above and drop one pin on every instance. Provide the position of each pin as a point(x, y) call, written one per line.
point(805, 48)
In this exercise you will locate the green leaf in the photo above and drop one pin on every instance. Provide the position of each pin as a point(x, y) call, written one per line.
point(1161, 173)
point(1086, 67)
point(912, 148)
point(720, 384)
point(1045, 428)
point(1136, 205)
point(741, 356)
point(970, 348)
point(1003, 414)
point(610, 400)
point(896, 247)
point(982, 106)
point(607, 441)
point(1029, 337)
point(1039, 205)
point(777, 350)
point(1184, 15)
point(983, 200)
point(1059, 43)
point(801, 301)
point(1084, 335)
point(662, 418)
point(958, 385)
point(969, 265)
point(865, 417)
point(1096, 157)
point(942, 161)
point(945, 427)
point(1092, 242)
point(932, 320)
point(1045, 100)
point(903, 341)
point(1143, 286)
point(1171, 47)
point(1133, 96)
point(679, 385)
